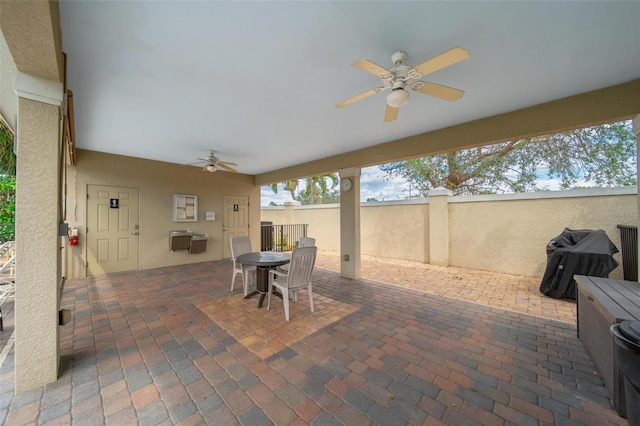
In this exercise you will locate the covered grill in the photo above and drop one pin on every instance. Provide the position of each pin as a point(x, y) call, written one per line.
point(583, 252)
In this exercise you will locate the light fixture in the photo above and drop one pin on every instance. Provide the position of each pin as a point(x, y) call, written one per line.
point(397, 98)
point(211, 168)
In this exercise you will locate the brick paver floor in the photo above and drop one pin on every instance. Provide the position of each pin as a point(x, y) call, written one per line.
point(400, 346)
point(510, 292)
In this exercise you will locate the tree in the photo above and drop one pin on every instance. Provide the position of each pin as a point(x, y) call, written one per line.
point(604, 155)
point(7, 157)
point(329, 197)
point(317, 186)
point(7, 206)
point(290, 185)
point(7, 183)
point(316, 189)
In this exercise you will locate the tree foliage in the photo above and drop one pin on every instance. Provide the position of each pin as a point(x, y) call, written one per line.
point(603, 155)
point(7, 199)
point(317, 189)
point(7, 157)
point(7, 183)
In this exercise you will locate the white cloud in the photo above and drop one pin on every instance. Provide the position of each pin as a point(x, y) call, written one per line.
point(267, 195)
point(372, 185)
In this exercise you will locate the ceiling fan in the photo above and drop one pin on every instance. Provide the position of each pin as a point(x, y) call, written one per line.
point(213, 164)
point(401, 75)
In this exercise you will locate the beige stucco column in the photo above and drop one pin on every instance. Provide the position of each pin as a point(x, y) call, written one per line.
point(289, 212)
point(31, 30)
point(439, 226)
point(636, 130)
point(350, 225)
point(36, 232)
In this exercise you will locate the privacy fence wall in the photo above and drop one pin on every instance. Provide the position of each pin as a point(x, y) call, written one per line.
point(501, 233)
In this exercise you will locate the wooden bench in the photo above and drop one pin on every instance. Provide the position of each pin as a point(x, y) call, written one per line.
point(603, 302)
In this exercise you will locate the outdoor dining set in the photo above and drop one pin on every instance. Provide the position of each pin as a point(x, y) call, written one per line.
point(286, 272)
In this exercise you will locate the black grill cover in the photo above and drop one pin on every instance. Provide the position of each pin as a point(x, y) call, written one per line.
point(581, 252)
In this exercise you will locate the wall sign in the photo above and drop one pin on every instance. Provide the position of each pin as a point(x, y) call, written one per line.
point(114, 203)
point(185, 208)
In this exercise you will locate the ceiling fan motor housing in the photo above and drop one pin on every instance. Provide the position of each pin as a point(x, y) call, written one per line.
point(398, 57)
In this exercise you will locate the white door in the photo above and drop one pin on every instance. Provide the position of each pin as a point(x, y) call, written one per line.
point(112, 229)
point(235, 221)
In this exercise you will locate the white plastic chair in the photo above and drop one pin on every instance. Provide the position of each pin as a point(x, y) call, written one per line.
point(241, 245)
point(7, 270)
point(6, 247)
point(302, 242)
point(306, 242)
point(303, 260)
point(7, 283)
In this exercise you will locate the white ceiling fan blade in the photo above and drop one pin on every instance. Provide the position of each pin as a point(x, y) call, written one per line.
point(443, 60)
point(368, 66)
point(437, 90)
point(226, 167)
point(359, 97)
point(391, 113)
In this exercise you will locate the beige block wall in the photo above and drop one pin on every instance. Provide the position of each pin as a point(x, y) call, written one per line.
point(323, 221)
point(380, 227)
point(157, 183)
point(402, 234)
point(500, 233)
point(511, 236)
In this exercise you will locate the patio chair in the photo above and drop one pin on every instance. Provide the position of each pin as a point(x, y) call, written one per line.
point(306, 242)
point(241, 245)
point(7, 270)
point(303, 260)
point(7, 284)
point(302, 242)
point(6, 247)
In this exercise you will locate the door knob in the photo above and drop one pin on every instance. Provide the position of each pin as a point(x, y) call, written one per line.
point(135, 233)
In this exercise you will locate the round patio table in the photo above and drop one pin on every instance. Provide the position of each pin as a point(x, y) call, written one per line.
point(264, 261)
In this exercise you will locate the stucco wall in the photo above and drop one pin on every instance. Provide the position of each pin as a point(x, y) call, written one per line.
point(404, 234)
point(157, 183)
point(511, 236)
point(501, 233)
point(324, 222)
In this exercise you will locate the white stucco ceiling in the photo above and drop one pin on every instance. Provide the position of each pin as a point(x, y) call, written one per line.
point(258, 81)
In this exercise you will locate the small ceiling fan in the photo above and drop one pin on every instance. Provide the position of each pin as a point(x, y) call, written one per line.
point(213, 164)
point(401, 75)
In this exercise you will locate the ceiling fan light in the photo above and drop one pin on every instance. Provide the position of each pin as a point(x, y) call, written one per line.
point(211, 168)
point(397, 98)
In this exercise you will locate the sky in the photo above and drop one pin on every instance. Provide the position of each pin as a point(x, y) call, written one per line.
point(378, 185)
point(374, 183)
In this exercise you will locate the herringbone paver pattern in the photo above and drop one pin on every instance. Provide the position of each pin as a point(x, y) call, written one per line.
point(174, 346)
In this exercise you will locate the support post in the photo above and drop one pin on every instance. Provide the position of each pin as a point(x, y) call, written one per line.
point(439, 226)
point(350, 224)
point(37, 248)
point(636, 130)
